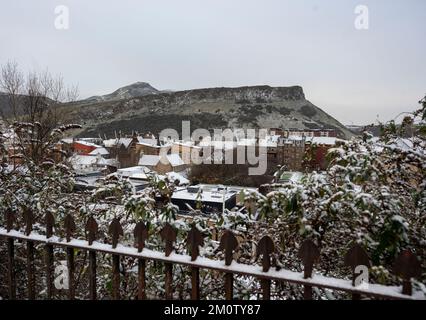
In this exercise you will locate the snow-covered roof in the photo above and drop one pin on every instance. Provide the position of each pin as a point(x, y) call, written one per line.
point(173, 176)
point(148, 141)
point(152, 160)
point(218, 144)
point(67, 140)
point(102, 151)
point(109, 143)
point(204, 193)
point(267, 143)
point(86, 160)
point(125, 141)
point(331, 141)
point(87, 143)
point(296, 138)
point(149, 160)
point(137, 172)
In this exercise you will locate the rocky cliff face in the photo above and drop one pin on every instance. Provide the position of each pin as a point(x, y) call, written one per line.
point(244, 107)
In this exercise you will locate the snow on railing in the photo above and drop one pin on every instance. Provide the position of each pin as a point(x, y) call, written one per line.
point(407, 265)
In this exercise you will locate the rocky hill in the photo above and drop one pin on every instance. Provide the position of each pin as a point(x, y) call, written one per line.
point(243, 107)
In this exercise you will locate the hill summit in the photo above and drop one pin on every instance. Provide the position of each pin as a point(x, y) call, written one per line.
point(133, 90)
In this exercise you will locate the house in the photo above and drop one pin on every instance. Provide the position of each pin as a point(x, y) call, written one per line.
point(311, 133)
point(123, 150)
point(317, 149)
point(128, 150)
point(292, 152)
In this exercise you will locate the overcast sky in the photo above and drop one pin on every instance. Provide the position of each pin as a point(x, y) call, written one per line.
point(352, 74)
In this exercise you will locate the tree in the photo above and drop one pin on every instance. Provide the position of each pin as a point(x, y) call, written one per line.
point(33, 110)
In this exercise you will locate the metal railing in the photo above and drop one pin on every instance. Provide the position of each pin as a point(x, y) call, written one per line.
point(406, 265)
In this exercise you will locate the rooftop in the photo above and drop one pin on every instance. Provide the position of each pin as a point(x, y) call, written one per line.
point(204, 193)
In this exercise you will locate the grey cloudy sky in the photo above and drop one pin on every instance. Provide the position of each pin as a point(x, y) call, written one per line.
point(352, 74)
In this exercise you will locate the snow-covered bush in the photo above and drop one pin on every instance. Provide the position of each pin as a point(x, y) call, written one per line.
point(373, 193)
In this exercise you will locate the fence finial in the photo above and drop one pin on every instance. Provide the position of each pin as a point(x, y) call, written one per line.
point(265, 247)
point(29, 220)
point(309, 254)
point(407, 266)
point(194, 240)
point(49, 221)
point(115, 230)
point(169, 235)
point(229, 243)
point(141, 234)
point(10, 220)
point(91, 229)
point(69, 227)
point(356, 256)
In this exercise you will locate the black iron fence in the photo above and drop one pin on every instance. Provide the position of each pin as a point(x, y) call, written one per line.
point(406, 266)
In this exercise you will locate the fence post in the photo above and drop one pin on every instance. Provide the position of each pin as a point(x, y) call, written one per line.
point(141, 234)
point(228, 243)
point(356, 256)
point(168, 234)
point(309, 254)
point(10, 219)
point(49, 221)
point(91, 231)
point(195, 240)
point(407, 266)
point(265, 247)
point(29, 220)
point(116, 231)
point(69, 231)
